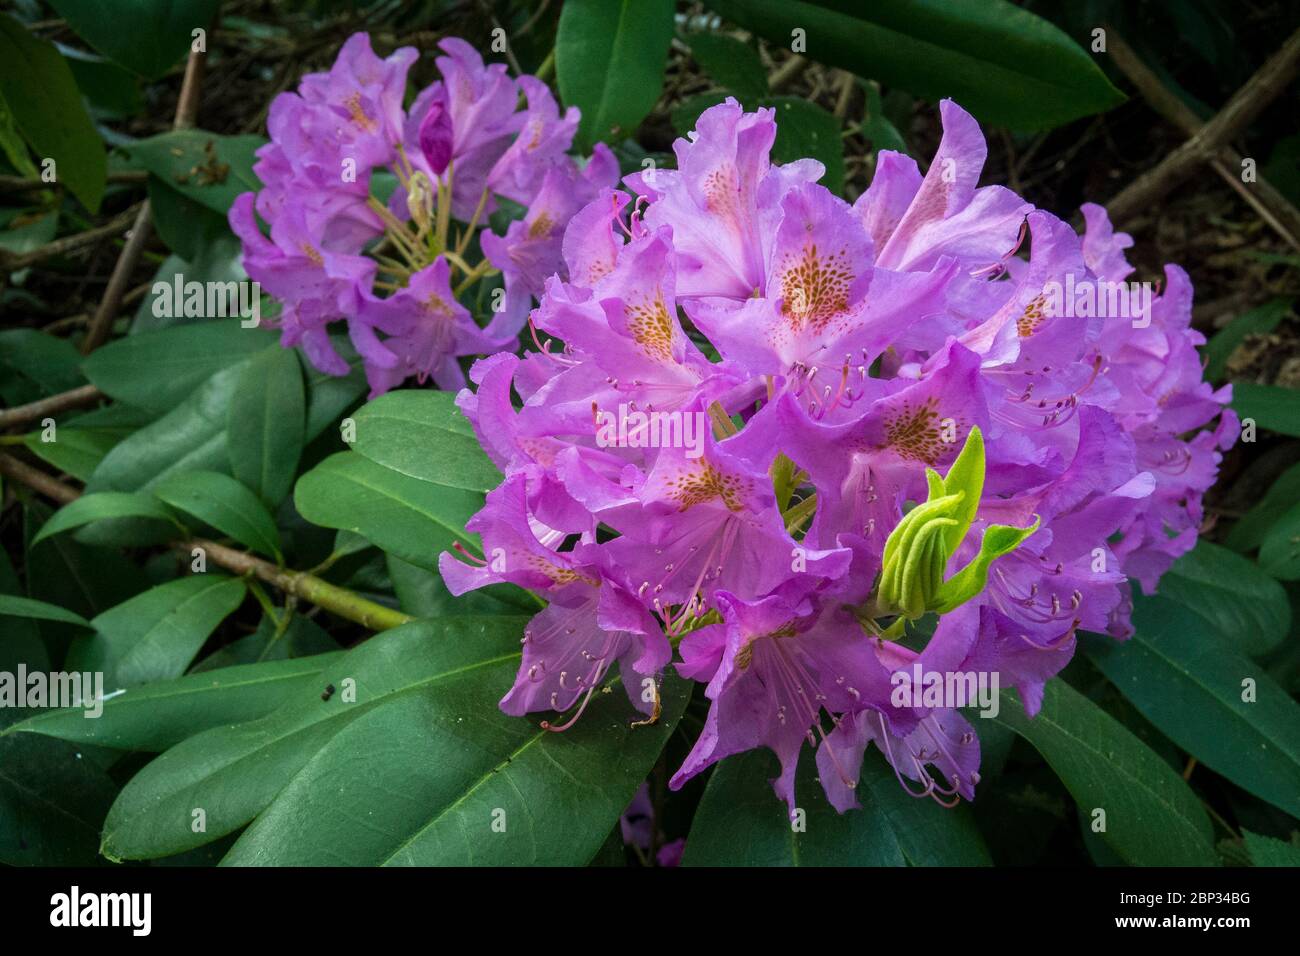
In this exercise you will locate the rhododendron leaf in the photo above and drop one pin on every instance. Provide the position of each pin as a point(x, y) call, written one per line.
point(1221, 708)
point(1152, 817)
point(412, 518)
point(740, 823)
point(266, 424)
point(505, 777)
point(163, 713)
point(156, 635)
point(609, 62)
point(1269, 406)
point(1247, 608)
point(142, 35)
point(974, 53)
point(222, 502)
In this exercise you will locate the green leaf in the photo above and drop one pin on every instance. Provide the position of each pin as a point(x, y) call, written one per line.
point(162, 714)
point(155, 635)
point(38, 88)
point(1152, 816)
point(1269, 406)
point(158, 370)
point(609, 62)
point(76, 451)
point(112, 92)
point(804, 129)
point(234, 772)
point(414, 519)
point(302, 637)
point(1258, 321)
point(146, 36)
point(208, 168)
point(733, 64)
point(1190, 686)
point(421, 781)
point(186, 226)
point(104, 504)
point(220, 501)
point(264, 430)
point(741, 822)
point(1270, 851)
point(52, 801)
point(1006, 65)
point(13, 606)
point(1279, 554)
point(1246, 607)
point(1249, 533)
point(422, 434)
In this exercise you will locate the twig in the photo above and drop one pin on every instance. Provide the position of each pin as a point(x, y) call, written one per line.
point(35, 411)
point(346, 604)
point(10, 262)
point(1274, 208)
point(1210, 139)
point(102, 321)
point(19, 184)
point(787, 72)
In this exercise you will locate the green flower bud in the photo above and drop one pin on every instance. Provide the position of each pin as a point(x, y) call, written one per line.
point(918, 549)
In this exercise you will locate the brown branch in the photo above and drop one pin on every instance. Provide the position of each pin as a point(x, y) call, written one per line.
point(23, 184)
point(346, 604)
point(101, 323)
point(35, 411)
point(1274, 208)
point(12, 262)
point(1210, 139)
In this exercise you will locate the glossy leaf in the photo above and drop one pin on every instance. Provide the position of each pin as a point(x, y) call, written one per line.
point(220, 501)
point(609, 62)
point(1152, 816)
point(143, 35)
point(265, 427)
point(1006, 65)
point(155, 635)
point(741, 822)
point(1191, 686)
point(162, 714)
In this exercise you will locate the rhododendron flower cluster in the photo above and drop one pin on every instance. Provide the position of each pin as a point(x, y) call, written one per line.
point(338, 252)
point(905, 418)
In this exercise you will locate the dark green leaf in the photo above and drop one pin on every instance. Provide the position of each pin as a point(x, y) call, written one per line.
point(158, 370)
point(155, 635)
point(1269, 406)
point(609, 62)
point(220, 501)
point(1257, 321)
point(147, 36)
point(422, 434)
point(1152, 816)
point(463, 771)
point(38, 87)
point(732, 64)
point(741, 822)
point(1006, 65)
point(14, 606)
point(162, 714)
point(208, 168)
point(1246, 607)
point(264, 430)
point(1279, 554)
point(101, 505)
point(1249, 533)
point(1191, 686)
point(414, 519)
point(1269, 851)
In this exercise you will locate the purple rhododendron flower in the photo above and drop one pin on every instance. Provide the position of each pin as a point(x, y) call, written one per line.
point(388, 269)
point(784, 433)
